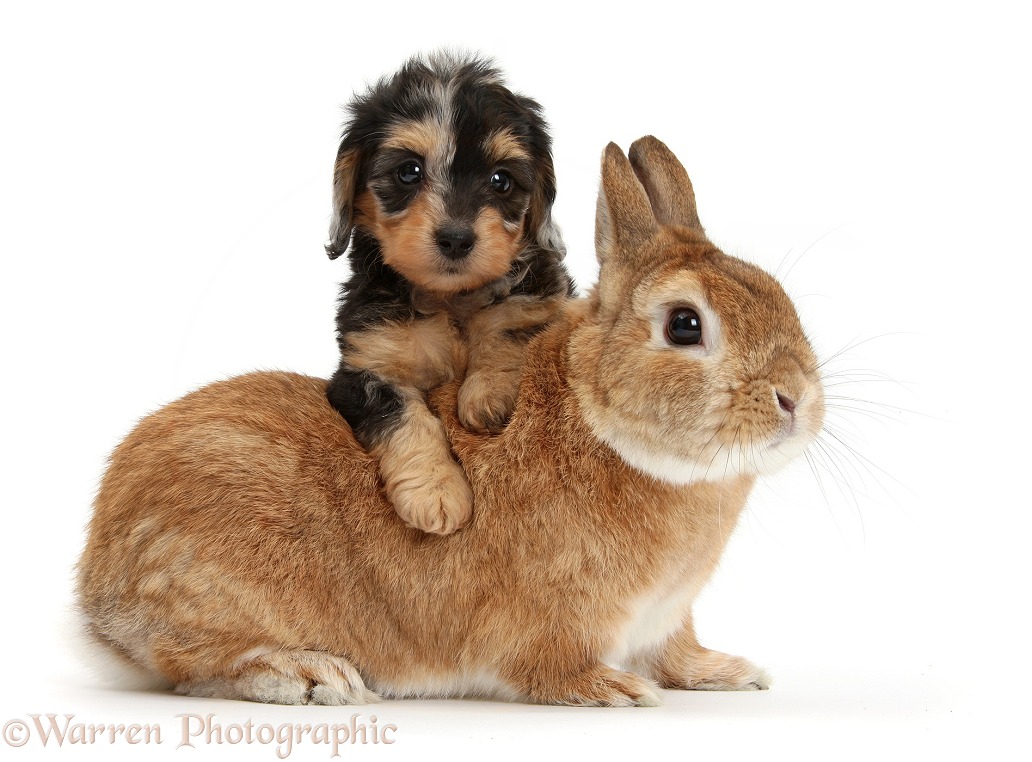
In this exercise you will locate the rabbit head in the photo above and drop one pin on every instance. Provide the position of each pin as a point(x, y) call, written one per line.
point(695, 364)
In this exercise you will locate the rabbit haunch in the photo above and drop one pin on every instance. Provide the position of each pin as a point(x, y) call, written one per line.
point(241, 546)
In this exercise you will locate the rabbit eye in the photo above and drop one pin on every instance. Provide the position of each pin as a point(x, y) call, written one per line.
point(684, 327)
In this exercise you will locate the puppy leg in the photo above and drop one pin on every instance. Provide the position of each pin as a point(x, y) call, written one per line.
point(379, 390)
point(684, 664)
point(427, 487)
point(488, 393)
point(498, 337)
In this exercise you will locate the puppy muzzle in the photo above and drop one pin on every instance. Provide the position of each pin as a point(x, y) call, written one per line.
point(455, 242)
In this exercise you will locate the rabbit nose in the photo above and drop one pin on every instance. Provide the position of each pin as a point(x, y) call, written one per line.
point(787, 403)
point(455, 241)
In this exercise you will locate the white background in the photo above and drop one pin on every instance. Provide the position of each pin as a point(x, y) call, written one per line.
point(164, 197)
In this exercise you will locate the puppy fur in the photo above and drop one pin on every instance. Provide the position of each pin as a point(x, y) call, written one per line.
point(443, 188)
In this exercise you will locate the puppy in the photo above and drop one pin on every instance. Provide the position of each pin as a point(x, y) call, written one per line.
point(442, 196)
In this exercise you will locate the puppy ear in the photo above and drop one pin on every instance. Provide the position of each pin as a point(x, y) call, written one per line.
point(545, 230)
point(540, 225)
point(666, 183)
point(345, 176)
point(623, 215)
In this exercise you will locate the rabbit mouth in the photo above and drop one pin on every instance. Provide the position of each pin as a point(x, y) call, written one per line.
point(785, 446)
point(789, 428)
point(801, 421)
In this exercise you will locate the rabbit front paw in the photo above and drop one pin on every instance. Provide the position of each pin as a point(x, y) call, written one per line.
point(601, 686)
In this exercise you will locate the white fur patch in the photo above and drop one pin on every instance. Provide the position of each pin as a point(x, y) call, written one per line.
point(248, 656)
point(455, 685)
point(714, 467)
point(663, 466)
point(654, 618)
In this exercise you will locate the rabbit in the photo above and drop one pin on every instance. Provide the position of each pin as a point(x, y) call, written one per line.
point(241, 546)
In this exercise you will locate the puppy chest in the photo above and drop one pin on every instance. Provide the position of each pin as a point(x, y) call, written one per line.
point(422, 353)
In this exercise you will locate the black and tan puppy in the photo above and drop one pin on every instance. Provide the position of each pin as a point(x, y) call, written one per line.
point(443, 188)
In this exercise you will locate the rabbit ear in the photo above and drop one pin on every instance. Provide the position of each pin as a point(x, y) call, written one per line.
point(623, 215)
point(345, 175)
point(666, 182)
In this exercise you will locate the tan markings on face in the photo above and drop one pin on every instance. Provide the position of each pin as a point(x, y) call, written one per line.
point(420, 353)
point(502, 145)
point(407, 239)
point(408, 243)
point(430, 139)
point(498, 244)
point(367, 213)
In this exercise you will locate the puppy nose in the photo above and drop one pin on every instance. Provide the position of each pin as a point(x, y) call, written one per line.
point(455, 241)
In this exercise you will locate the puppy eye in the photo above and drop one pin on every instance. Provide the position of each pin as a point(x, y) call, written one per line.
point(684, 327)
point(501, 181)
point(410, 173)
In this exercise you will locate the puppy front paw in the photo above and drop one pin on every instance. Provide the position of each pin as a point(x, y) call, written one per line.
point(432, 498)
point(487, 400)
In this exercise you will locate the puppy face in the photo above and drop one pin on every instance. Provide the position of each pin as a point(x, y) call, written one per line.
point(450, 171)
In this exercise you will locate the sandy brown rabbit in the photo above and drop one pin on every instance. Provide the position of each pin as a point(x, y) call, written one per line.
point(241, 548)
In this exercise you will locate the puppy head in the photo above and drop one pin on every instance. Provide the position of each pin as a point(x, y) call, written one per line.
point(449, 170)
